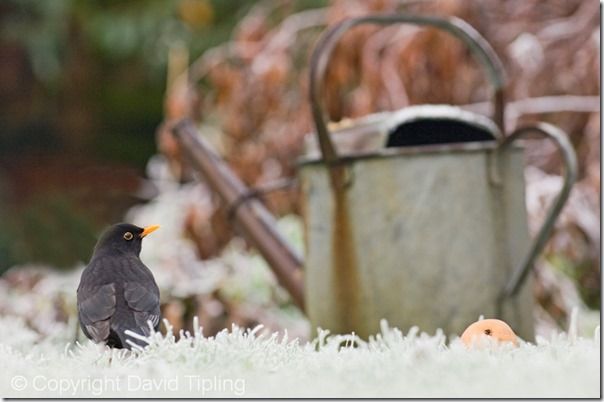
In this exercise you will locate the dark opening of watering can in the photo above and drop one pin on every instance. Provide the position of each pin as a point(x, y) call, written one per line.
point(443, 124)
point(436, 131)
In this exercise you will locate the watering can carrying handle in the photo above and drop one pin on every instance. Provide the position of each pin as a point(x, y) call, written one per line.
point(455, 26)
point(569, 159)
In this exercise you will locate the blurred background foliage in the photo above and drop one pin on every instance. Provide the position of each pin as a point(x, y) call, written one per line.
point(81, 92)
point(87, 90)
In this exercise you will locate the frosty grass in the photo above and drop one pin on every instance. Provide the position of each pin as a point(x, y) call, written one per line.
point(249, 363)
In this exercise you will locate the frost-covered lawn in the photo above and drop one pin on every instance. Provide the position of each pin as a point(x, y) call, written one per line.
point(251, 364)
point(39, 359)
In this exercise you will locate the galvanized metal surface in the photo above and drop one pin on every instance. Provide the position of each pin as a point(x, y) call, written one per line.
point(420, 236)
point(427, 241)
point(433, 236)
point(357, 281)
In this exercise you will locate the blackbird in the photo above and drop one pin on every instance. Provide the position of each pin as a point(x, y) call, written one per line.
point(117, 292)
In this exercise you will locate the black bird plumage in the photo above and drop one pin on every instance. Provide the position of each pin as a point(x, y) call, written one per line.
point(117, 292)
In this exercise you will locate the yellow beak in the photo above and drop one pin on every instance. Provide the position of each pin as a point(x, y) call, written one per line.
point(149, 229)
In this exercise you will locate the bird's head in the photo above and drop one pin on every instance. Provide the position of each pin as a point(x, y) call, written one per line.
point(123, 237)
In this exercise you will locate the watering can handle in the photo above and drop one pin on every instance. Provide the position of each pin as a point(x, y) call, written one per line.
point(569, 159)
point(459, 28)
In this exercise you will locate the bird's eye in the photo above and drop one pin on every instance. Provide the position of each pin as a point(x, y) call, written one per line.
point(128, 236)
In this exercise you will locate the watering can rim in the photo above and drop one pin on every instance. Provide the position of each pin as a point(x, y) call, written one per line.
point(386, 121)
point(419, 150)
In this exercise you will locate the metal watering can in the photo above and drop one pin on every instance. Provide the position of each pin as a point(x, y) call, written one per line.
point(427, 227)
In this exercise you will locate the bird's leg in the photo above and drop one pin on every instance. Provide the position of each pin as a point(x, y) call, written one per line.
point(76, 334)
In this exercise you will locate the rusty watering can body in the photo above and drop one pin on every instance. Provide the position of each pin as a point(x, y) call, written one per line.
point(429, 228)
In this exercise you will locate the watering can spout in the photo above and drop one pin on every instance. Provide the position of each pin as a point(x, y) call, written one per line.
point(256, 222)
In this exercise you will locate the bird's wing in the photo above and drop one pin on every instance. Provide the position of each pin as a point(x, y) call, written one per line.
point(96, 305)
point(144, 303)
